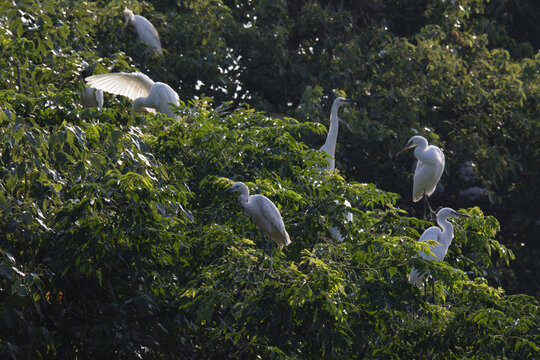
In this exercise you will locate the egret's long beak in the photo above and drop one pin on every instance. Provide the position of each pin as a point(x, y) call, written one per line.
point(351, 101)
point(225, 192)
point(407, 147)
point(462, 215)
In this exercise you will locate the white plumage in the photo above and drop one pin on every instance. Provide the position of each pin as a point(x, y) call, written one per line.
point(264, 214)
point(146, 31)
point(330, 148)
point(331, 139)
point(443, 237)
point(90, 97)
point(144, 92)
point(348, 218)
point(429, 167)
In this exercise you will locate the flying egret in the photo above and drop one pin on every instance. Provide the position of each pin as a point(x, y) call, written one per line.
point(90, 97)
point(429, 168)
point(146, 31)
point(330, 145)
point(265, 215)
point(443, 237)
point(144, 92)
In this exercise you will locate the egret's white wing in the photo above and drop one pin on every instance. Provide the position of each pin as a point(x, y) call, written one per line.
point(433, 233)
point(271, 216)
point(131, 85)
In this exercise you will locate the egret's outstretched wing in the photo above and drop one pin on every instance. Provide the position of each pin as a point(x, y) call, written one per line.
point(131, 85)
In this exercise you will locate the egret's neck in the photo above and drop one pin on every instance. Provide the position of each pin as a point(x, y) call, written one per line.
point(420, 148)
point(138, 104)
point(331, 139)
point(243, 197)
point(447, 228)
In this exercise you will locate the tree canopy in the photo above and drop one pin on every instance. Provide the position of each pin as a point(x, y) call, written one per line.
point(113, 241)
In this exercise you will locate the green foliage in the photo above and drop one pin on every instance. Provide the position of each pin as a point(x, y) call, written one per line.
point(114, 243)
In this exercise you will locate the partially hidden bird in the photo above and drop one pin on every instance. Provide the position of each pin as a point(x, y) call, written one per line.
point(330, 148)
point(443, 235)
point(90, 97)
point(138, 87)
point(265, 215)
point(145, 30)
point(429, 168)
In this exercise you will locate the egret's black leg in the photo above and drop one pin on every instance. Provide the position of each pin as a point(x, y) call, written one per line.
point(263, 250)
point(270, 246)
point(427, 207)
point(433, 289)
point(243, 217)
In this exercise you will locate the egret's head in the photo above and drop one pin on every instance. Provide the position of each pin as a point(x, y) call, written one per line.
point(128, 15)
point(447, 213)
point(237, 187)
point(413, 142)
point(341, 100)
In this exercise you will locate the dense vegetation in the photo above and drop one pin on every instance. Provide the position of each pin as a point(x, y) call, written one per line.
point(113, 241)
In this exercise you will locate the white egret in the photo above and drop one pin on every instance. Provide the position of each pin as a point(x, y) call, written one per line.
point(146, 31)
point(90, 97)
point(330, 148)
point(429, 168)
point(443, 237)
point(331, 139)
point(348, 218)
point(144, 92)
point(265, 215)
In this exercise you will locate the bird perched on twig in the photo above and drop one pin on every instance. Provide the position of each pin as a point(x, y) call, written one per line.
point(265, 215)
point(90, 97)
point(146, 31)
point(443, 235)
point(429, 168)
point(144, 92)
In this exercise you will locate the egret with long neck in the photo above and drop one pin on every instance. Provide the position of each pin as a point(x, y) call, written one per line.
point(331, 139)
point(443, 235)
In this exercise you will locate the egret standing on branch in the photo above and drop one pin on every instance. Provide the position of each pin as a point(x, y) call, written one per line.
point(90, 97)
point(443, 237)
point(330, 148)
point(144, 92)
point(331, 139)
point(429, 168)
point(146, 31)
point(265, 215)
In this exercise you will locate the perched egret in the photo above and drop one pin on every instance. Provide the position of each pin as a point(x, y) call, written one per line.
point(265, 215)
point(330, 148)
point(144, 92)
point(146, 31)
point(330, 145)
point(429, 168)
point(444, 238)
point(348, 218)
point(90, 97)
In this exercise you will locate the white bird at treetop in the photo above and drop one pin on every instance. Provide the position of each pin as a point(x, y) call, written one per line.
point(146, 31)
point(331, 139)
point(444, 238)
point(429, 167)
point(90, 97)
point(264, 214)
point(144, 92)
